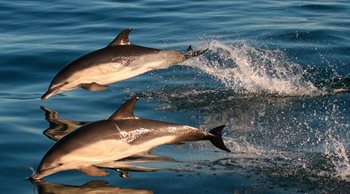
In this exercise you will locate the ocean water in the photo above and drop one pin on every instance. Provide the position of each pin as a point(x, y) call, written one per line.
point(277, 74)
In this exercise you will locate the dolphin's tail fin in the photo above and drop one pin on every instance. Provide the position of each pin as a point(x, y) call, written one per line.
point(191, 53)
point(216, 139)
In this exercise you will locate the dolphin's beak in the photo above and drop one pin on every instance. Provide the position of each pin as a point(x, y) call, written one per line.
point(52, 91)
point(49, 93)
point(34, 179)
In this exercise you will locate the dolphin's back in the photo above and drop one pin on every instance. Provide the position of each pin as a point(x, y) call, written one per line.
point(142, 130)
point(110, 54)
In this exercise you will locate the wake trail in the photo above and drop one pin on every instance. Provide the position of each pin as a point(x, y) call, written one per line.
point(249, 70)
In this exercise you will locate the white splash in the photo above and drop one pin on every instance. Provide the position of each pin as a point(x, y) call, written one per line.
point(249, 70)
point(336, 152)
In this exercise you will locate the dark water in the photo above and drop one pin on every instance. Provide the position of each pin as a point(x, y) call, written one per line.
point(276, 73)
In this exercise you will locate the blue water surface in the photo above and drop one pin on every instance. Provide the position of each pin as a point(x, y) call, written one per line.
point(277, 74)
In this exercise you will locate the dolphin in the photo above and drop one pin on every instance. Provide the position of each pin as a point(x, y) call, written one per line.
point(92, 187)
point(118, 61)
point(95, 145)
point(60, 127)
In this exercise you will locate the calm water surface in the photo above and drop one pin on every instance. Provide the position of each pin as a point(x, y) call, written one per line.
point(277, 73)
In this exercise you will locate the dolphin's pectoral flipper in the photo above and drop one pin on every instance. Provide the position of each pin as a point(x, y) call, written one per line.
point(93, 171)
point(216, 139)
point(122, 38)
point(93, 86)
point(126, 111)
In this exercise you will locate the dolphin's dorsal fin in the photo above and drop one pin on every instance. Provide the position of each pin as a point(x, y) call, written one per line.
point(93, 171)
point(126, 111)
point(122, 38)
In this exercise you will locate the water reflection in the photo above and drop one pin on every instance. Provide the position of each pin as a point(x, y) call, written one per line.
point(126, 165)
point(59, 127)
point(95, 186)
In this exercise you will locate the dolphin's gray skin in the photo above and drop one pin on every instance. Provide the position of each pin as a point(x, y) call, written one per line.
point(118, 61)
point(92, 187)
point(120, 136)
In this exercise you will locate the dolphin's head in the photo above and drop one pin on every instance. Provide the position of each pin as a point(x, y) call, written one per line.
point(45, 172)
point(51, 163)
point(62, 82)
point(54, 88)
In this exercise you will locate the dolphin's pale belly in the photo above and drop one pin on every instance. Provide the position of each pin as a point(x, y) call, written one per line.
point(111, 72)
point(110, 150)
point(105, 77)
